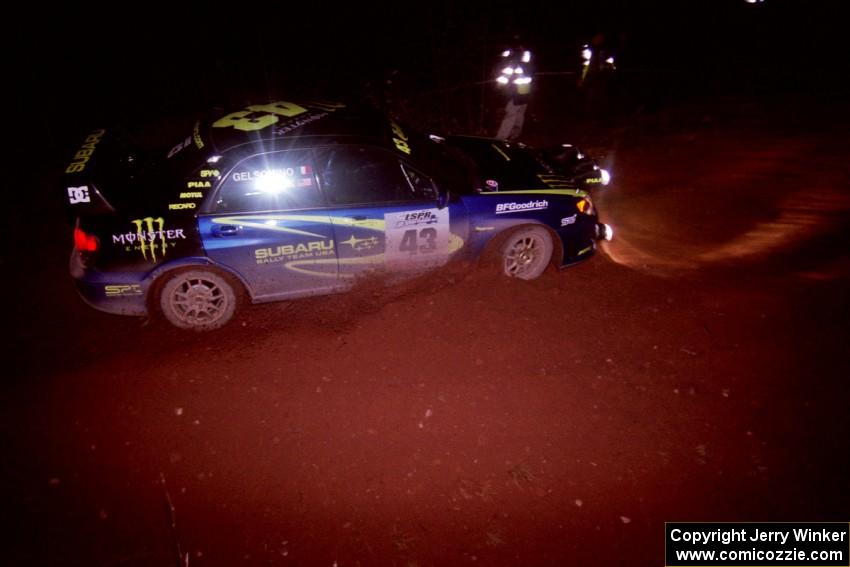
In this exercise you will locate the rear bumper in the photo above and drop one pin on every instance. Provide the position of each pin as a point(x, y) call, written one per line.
point(119, 294)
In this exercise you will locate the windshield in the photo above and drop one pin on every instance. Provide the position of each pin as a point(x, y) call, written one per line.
point(453, 169)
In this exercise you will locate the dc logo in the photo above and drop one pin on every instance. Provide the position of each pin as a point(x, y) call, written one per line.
point(78, 194)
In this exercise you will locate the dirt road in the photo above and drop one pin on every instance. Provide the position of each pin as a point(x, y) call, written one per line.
point(695, 370)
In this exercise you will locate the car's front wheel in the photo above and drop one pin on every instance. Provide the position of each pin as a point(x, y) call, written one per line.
point(526, 253)
point(198, 299)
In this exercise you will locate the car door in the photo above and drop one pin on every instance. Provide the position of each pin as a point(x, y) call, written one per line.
point(385, 213)
point(268, 223)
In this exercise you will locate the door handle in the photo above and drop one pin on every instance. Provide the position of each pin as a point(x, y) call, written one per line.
point(226, 230)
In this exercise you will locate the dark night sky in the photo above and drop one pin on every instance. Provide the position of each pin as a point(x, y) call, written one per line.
point(80, 65)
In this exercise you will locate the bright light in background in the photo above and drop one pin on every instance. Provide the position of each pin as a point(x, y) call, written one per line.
point(513, 71)
point(610, 60)
point(273, 183)
point(586, 54)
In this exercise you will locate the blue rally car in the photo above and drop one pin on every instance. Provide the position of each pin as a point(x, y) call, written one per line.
point(284, 200)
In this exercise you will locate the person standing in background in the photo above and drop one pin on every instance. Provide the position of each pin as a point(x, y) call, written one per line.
point(515, 74)
point(597, 77)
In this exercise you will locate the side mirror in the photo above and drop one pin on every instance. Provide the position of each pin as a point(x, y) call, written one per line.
point(443, 199)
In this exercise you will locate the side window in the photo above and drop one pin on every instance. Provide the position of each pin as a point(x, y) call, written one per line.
point(422, 185)
point(270, 182)
point(355, 175)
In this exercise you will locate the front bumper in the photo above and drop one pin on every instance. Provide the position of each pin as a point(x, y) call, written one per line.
point(579, 235)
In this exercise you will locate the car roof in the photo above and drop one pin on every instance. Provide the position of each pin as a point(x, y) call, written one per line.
point(280, 122)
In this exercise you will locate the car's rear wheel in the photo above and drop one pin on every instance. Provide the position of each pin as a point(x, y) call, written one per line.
point(526, 253)
point(199, 299)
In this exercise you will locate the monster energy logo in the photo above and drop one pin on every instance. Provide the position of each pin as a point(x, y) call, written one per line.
point(150, 235)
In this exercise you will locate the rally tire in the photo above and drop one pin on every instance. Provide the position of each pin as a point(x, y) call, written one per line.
point(525, 253)
point(198, 299)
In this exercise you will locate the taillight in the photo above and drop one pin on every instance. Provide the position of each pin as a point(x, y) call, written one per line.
point(85, 242)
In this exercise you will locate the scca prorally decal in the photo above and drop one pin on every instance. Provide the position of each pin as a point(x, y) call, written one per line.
point(78, 195)
point(506, 208)
point(84, 153)
point(150, 236)
point(118, 290)
point(288, 252)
